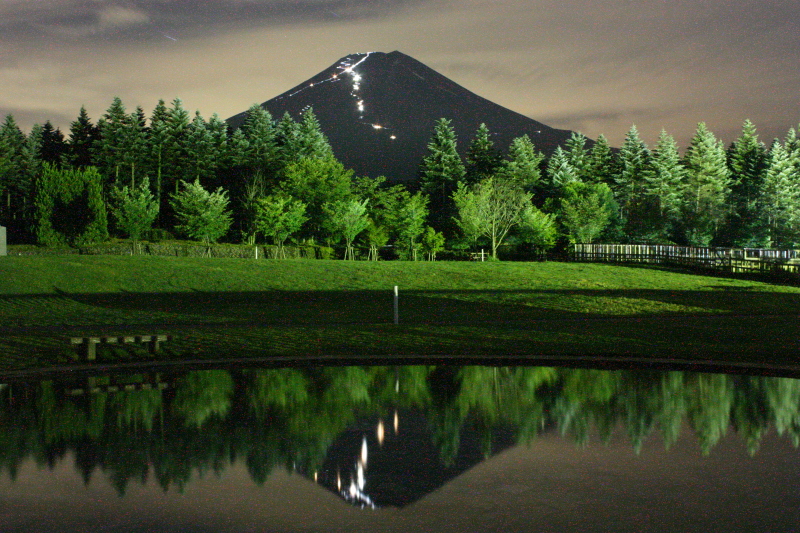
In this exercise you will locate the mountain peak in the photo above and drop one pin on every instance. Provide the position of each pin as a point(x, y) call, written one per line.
point(378, 110)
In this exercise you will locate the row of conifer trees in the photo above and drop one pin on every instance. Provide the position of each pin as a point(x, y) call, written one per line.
point(194, 177)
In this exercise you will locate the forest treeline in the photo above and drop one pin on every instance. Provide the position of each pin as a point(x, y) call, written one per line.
point(271, 418)
point(174, 174)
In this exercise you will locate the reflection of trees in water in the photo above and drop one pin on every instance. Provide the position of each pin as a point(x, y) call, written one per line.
point(205, 420)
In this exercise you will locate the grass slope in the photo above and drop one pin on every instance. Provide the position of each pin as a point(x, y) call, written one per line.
point(235, 307)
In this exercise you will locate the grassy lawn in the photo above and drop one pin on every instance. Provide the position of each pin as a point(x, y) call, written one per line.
point(219, 308)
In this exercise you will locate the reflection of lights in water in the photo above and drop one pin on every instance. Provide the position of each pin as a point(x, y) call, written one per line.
point(364, 451)
point(396, 422)
point(315, 477)
point(338, 481)
point(360, 476)
point(397, 385)
point(380, 432)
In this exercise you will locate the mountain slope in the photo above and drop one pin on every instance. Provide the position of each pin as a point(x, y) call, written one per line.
point(378, 111)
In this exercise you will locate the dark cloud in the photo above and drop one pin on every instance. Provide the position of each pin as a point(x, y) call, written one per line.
point(592, 66)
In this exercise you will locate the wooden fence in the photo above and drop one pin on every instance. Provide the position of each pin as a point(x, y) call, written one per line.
point(733, 260)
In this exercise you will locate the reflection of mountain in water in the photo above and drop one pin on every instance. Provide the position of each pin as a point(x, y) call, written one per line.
point(374, 463)
point(174, 427)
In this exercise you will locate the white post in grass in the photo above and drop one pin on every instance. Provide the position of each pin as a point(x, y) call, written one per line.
point(396, 307)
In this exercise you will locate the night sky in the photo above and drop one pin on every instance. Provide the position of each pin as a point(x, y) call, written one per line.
point(595, 67)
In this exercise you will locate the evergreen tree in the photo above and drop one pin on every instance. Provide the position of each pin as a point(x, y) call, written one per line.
point(304, 139)
point(177, 150)
point(134, 208)
point(16, 179)
point(781, 196)
point(287, 132)
point(442, 167)
point(482, 159)
point(662, 188)
point(159, 149)
point(203, 215)
point(706, 188)
point(82, 137)
point(560, 170)
point(604, 165)
point(53, 148)
point(577, 155)
point(109, 150)
point(200, 150)
point(747, 161)
point(523, 166)
point(629, 186)
point(259, 142)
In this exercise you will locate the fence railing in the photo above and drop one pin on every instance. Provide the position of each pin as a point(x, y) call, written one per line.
point(734, 260)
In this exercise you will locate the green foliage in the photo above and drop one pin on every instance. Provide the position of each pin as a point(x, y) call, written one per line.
point(407, 219)
point(134, 209)
point(748, 163)
point(204, 215)
point(630, 185)
point(706, 187)
point(70, 207)
point(345, 220)
point(315, 182)
point(482, 158)
point(523, 164)
point(442, 167)
point(432, 242)
point(490, 209)
point(560, 170)
point(585, 211)
point(662, 191)
point(538, 228)
point(279, 217)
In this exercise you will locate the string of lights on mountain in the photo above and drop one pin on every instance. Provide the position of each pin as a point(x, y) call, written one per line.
point(381, 156)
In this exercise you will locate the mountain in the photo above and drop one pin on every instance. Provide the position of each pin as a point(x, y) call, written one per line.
point(378, 111)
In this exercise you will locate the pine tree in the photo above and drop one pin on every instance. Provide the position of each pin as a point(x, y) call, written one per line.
point(53, 149)
point(662, 187)
point(523, 166)
point(482, 159)
point(82, 137)
point(158, 147)
point(560, 170)
point(781, 195)
point(134, 208)
point(747, 161)
point(310, 141)
point(578, 157)
point(706, 187)
point(261, 153)
point(442, 167)
point(203, 215)
point(199, 149)
point(16, 179)
point(109, 149)
point(629, 186)
point(287, 132)
point(604, 166)
point(440, 171)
